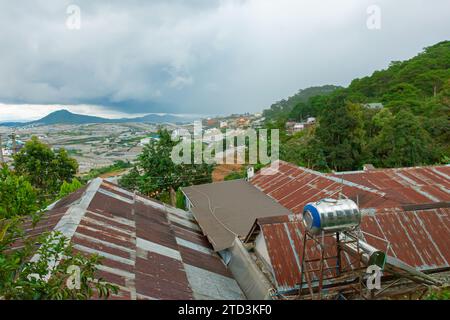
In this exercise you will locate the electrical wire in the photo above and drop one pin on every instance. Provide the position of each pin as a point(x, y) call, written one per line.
point(213, 210)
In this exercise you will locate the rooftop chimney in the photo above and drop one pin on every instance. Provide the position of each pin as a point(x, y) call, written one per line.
point(250, 173)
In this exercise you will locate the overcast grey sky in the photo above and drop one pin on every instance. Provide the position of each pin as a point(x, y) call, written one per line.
point(198, 56)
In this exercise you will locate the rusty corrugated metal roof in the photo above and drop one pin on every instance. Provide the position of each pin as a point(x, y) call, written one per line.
point(419, 238)
point(415, 185)
point(150, 250)
point(293, 187)
point(411, 211)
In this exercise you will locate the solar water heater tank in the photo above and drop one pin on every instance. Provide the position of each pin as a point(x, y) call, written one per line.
point(331, 215)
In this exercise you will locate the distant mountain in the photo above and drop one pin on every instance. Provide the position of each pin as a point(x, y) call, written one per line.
point(67, 117)
point(11, 124)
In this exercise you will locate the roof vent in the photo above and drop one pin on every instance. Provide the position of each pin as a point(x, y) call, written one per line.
point(250, 173)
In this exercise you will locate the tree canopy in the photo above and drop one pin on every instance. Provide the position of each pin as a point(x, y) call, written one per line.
point(156, 175)
point(45, 169)
point(29, 271)
point(411, 128)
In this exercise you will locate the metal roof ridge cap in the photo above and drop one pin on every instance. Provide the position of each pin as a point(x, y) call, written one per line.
point(69, 222)
point(67, 225)
point(347, 183)
point(269, 197)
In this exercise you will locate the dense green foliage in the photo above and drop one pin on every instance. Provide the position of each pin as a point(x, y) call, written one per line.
point(236, 175)
point(23, 278)
point(412, 128)
point(292, 107)
point(439, 294)
point(40, 176)
point(69, 187)
point(156, 175)
point(45, 169)
point(17, 196)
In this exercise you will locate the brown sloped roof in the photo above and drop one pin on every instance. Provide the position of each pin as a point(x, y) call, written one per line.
point(415, 185)
point(411, 211)
point(150, 250)
point(418, 238)
point(226, 210)
point(293, 187)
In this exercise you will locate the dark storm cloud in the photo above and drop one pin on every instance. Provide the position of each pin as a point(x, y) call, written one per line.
point(197, 56)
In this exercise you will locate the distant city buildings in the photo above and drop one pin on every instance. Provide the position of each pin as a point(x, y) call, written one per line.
point(375, 105)
point(147, 140)
point(10, 147)
point(293, 127)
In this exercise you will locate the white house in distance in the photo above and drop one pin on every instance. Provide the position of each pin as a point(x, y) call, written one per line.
point(375, 105)
point(7, 152)
point(311, 120)
point(147, 140)
point(294, 127)
point(298, 127)
point(213, 135)
point(223, 124)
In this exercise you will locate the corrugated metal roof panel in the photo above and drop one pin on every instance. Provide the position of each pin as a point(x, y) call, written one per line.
point(141, 252)
point(414, 185)
point(293, 187)
point(419, 238)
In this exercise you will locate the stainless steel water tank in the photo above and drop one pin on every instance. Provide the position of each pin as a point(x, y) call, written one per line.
point(330, 215)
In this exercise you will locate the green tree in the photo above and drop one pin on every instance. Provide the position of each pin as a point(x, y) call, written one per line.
point(24, 278)
point(156, 175)
point(304, 150)
point(17, 196)
point(300, 112)
point(402, 141)
point(341, 135)
point(348, 136)
point(69, 187)
point(45, 169)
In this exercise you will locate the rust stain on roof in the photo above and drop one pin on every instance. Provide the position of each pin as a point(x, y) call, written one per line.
point(410, 210)
point(419, 238)
point(416, 185)
point(146, 254)
point(293, 187)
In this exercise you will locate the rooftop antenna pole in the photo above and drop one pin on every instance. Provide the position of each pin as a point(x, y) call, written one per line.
point(2, 160)
point(13, 137)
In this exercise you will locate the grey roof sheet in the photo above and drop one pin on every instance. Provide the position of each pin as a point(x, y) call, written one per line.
point(226, 210)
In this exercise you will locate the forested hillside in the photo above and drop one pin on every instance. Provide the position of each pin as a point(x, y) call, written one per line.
point(282, 110)
point(411, 129)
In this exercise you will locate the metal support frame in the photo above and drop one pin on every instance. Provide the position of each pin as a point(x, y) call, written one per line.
point(345, 277)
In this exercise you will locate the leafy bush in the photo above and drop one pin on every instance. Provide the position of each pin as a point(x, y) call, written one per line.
point(69, 187)
point(17, 196)
point(53, 272)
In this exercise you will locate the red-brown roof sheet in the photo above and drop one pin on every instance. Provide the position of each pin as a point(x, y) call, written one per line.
point(418, 238)
point(148, 249)
point(293, 187)
point(415, 185)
